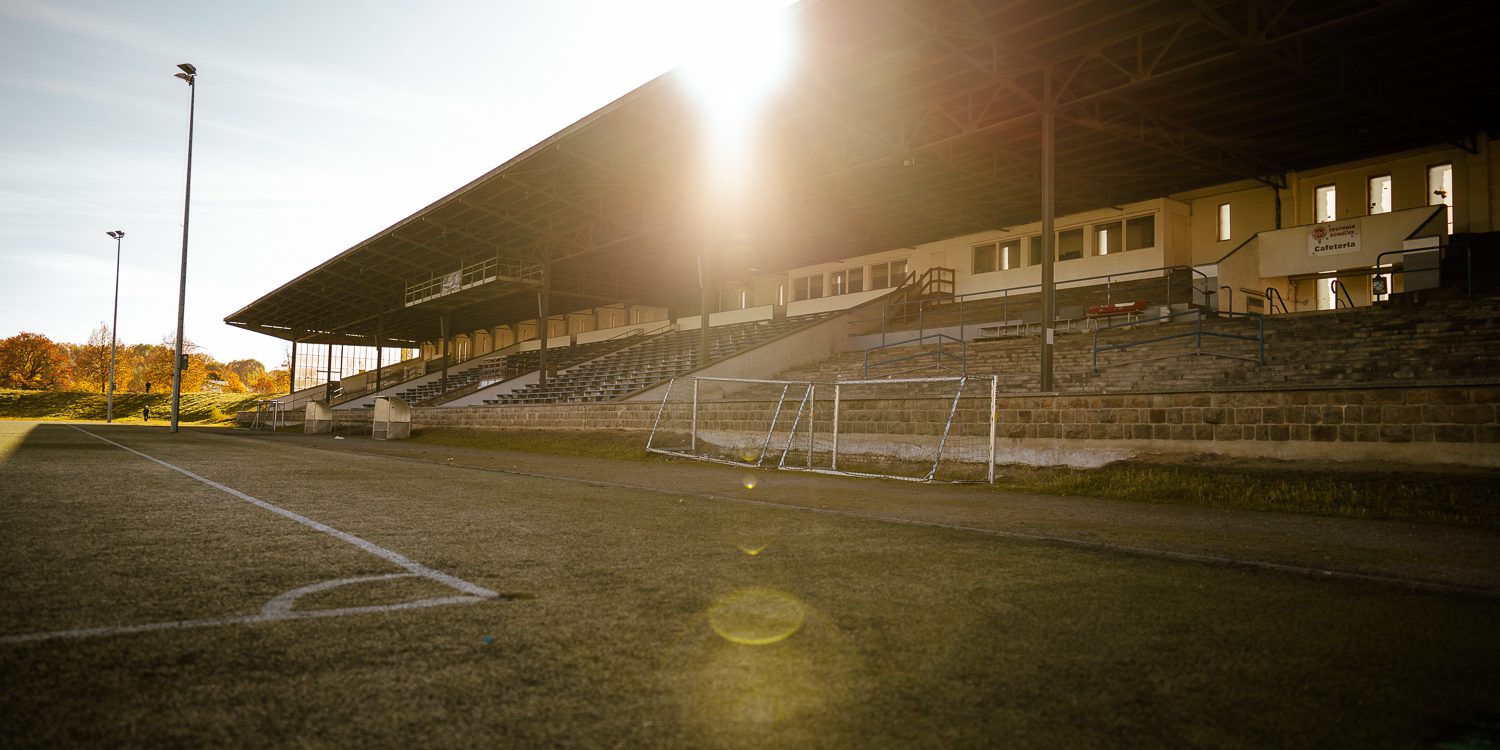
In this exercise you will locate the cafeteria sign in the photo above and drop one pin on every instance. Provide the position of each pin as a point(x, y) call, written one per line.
point(1333, 239)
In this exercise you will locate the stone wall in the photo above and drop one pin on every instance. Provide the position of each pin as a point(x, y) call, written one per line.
point(1410, 424)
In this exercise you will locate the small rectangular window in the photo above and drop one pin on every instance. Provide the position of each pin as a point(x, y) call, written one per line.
point(1140, 232)
point(984, 258)
point(1325, 203)
point(1070, 244)
point(898, 272)
point(1034, 246)
point(1380, 194)
point(799, 289)
point(1440, 189)
point(1010, 254)
point(1224, 230)
point(815, 286)
point(836, 283)
point(1108, 239)
point(856, 279)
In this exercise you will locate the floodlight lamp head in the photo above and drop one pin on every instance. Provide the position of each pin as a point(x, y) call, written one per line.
point(188, 68)
point(113, 234)
point(185, 77)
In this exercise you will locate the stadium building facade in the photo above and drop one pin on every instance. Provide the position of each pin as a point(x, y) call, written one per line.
point(988, 172)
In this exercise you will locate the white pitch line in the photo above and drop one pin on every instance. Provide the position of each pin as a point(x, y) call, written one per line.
point(395, 558)
point(244, 619)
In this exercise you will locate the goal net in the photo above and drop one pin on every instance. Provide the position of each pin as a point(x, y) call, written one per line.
point(738, 421)
point(916, 429)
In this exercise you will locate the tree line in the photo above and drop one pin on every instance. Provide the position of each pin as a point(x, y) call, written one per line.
point(31, 361)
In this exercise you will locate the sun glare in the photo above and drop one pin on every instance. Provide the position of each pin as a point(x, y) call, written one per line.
point(737, 53)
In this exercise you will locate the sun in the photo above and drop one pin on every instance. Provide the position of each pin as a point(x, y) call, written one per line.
point(736, 54)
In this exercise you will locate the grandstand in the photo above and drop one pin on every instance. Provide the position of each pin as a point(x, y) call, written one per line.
point(1107, 198)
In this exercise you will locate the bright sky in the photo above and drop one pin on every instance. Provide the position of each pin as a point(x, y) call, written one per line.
point(318, 125)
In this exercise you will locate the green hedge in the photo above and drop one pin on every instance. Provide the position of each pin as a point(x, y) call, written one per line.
point(201, 408)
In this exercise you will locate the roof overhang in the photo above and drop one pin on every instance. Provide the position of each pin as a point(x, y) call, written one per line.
point(908, 121)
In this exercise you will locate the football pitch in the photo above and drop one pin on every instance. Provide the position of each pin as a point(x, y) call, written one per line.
point(222, 588)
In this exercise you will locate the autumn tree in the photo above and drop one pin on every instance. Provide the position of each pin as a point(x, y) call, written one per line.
point(232, 382)
point(91, 363)
point(31, 361)
point(249, 370)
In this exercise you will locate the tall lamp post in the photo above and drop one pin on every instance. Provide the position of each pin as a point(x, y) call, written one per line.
point(109, 403)
point(190, 75)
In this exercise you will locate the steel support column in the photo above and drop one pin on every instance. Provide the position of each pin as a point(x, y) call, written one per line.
point(443, 331)
point(291, 379)
point(544, 322)
point(1049, 249)
point(379, 349)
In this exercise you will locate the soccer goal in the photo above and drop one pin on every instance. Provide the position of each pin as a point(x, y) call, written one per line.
point(915, 429)
point(737, 421)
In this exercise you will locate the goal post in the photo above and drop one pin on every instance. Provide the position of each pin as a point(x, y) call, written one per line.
point(913, 429)
point(736, 421)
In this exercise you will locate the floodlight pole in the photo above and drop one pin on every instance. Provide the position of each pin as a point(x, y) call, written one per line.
point(109, 403)
point(190, 75)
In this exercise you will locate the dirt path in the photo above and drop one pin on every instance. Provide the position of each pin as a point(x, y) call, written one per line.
point(1431, 556)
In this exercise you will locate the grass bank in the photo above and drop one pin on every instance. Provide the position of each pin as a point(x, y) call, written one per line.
point(196, 408)
point(1464, 496)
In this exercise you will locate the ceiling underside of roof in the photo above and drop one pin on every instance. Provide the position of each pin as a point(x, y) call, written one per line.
point(908, 121)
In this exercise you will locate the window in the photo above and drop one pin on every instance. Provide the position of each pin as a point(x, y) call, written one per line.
point(781, 294)
point(1107, 239)
point(885, 275)
point(985, 259)
point(1140, 232)
point(1224, 230)
point(1010, 254)
point(1380, 194)
point(847, 282)
point(1070, 244)
point(1440, 189)
point(1325, 203)
point(1034, 254)
point(807, 287)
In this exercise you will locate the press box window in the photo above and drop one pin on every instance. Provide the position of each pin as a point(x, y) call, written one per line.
point(1107, 238)
point(807, 287)
point(1140, 232)
point(847, 282)
point(986, 258)
point(1224, 230)
point(885, 275)
point(1010, 254)
point(1070, 244)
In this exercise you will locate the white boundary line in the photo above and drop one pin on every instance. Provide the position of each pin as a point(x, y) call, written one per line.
point(394, 558)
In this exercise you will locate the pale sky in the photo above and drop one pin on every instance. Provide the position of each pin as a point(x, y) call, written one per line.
point(318, 125)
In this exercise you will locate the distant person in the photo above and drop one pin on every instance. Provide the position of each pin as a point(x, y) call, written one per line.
point(146, 412)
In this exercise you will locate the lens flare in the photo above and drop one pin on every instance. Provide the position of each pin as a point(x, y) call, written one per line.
point(752, 551)
point(748, 481)
point(756, 616)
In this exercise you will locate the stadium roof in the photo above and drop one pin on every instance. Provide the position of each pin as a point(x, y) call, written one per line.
point(908, 121)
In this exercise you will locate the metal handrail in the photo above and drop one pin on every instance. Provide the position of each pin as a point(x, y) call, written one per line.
point(1274, 298)
point(1004, 294)
point(1468, 263)
point(1197, 334)
point(937, 355)
point(1347, 300)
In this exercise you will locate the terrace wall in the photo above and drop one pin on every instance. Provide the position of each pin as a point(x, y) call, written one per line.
point(1411, 424)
